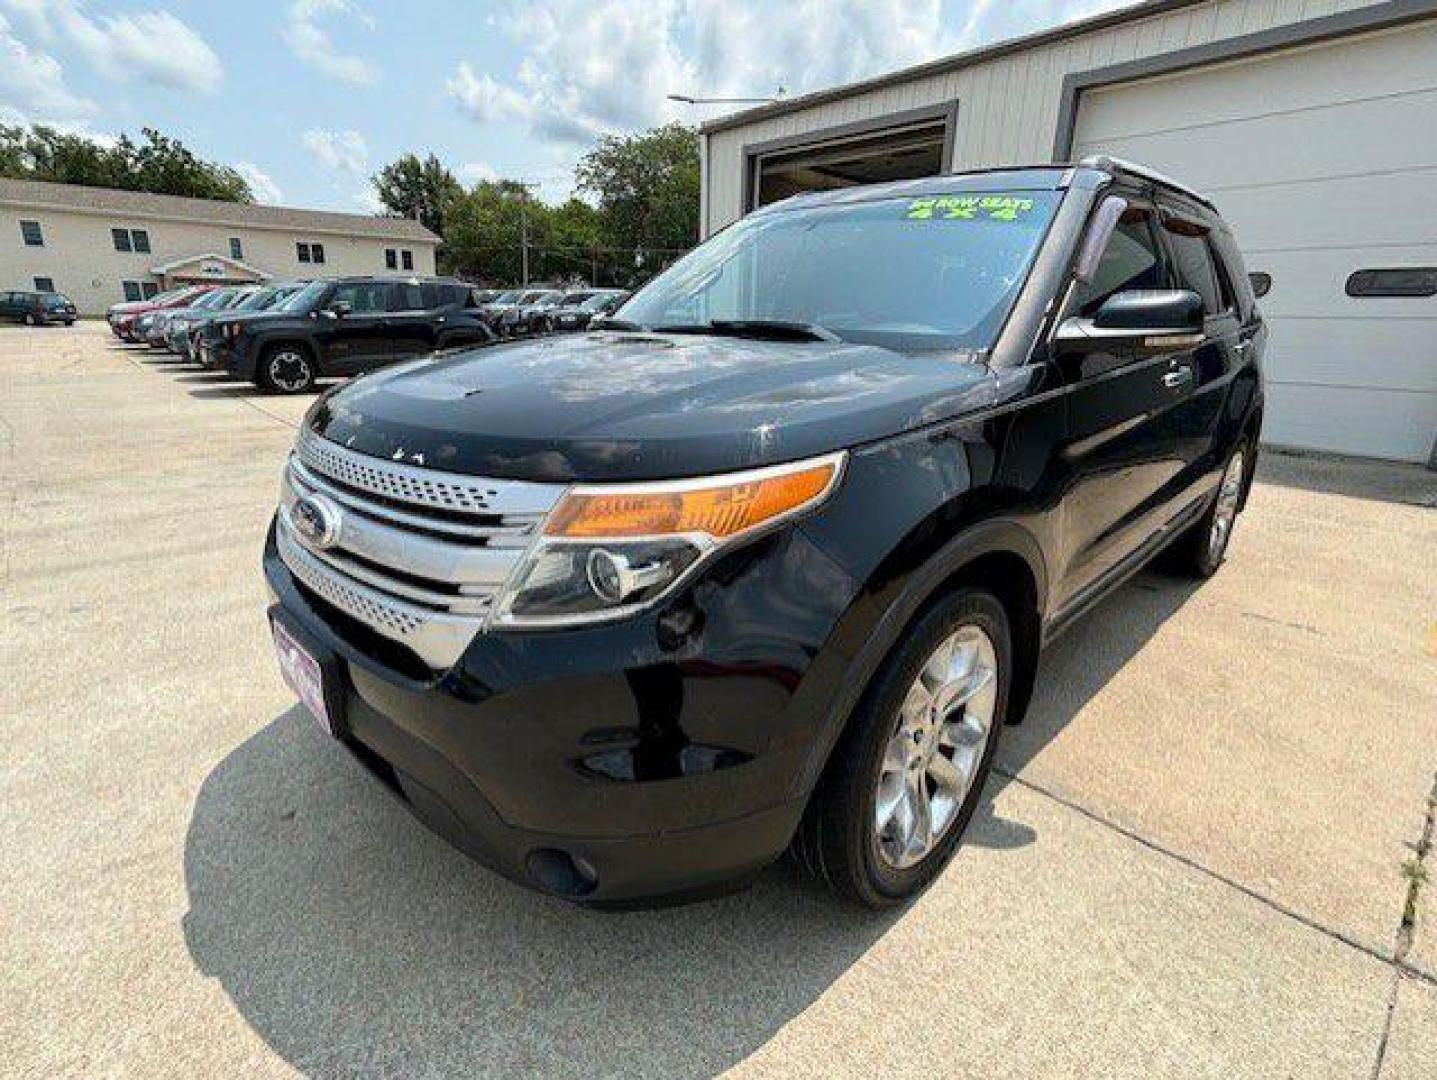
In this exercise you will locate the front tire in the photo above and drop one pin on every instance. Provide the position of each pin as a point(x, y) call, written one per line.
point(908, 773)
point(286, 369)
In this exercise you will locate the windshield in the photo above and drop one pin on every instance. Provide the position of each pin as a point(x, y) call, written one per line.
point(257, 300)
point(507, 297)
point(598, 300)
point(304, 300)
point(938, 272)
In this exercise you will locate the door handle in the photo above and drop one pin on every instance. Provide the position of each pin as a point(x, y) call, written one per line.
point(1178, 378)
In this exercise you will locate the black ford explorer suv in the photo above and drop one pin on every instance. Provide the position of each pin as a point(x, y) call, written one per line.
point(343, 327)
point(769, 560)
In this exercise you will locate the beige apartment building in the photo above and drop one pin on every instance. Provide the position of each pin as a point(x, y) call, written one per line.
point(101, 246)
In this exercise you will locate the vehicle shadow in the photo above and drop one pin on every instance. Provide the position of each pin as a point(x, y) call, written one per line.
point(1079, 664)
point(354, 940)
point(222, 388)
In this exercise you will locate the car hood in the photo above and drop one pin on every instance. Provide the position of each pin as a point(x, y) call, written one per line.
point(628, 406)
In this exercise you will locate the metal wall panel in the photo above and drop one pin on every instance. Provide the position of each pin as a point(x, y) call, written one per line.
point(1008, 105)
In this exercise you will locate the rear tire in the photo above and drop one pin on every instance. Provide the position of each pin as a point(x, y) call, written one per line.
point(286, 369)
point(887, 814)
point(1202, 549)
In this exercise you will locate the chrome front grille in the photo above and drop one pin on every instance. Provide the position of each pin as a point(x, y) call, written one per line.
point(419, 556)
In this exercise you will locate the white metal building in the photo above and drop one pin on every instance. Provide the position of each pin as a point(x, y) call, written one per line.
point(100, 246)
point(1311, 123)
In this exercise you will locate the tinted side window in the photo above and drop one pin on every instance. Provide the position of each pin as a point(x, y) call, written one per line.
point(406, 296)
point(1226, 289)
point(361, 296)
point(1192, 261)
point(1130, 261)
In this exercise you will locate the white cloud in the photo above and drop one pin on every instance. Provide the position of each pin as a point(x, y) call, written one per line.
point(369, 202)
point(32, 83)
point(472, 172)
point(148, 46)
point(338, 151)
point(265, 189)
point(591, 66)
point(311, 42)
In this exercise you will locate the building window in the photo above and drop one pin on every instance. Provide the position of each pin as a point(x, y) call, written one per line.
point(391, 259)
point(1261, 283)
point(132, 290)
point(131, 240)
point(301, 251)
point(408, 257)
point(30, 230)
point(316, 252)
point(150, 289)
point(1411, 281)
point(236, 248)
point(44, 284)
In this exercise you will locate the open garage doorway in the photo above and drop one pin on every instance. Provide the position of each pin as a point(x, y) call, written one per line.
point(897, 148)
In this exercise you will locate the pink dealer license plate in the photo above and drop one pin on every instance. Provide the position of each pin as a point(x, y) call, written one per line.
point(303, 674)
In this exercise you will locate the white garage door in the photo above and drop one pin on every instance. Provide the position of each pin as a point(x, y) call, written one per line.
point(1324, 161)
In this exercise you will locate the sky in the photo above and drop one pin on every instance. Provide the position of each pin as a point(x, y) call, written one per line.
point(308, 98)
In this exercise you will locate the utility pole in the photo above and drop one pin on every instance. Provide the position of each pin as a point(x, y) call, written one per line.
point(524, 187)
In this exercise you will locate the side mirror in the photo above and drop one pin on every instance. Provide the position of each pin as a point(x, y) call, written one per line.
point(339, 309)
point(597, 322)
point(1144, 321)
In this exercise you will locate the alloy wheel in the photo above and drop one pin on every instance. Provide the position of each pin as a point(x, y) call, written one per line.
point(289, 370)
point(937, 746)
point(1229, 495)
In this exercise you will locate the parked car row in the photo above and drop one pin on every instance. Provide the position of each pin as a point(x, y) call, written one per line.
point(528, 312)
point(36, 308)
point(285, 336)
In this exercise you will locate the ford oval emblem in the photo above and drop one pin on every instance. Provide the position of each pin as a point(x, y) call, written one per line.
point(317, 521)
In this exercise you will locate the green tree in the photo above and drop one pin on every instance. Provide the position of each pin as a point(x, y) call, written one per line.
point(482, 230)
point(157, 164)
point(567, 245)
point(409, 187)
point(165, 165)
point(647, 189)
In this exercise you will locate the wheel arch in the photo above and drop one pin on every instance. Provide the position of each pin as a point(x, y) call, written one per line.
point(1001, 556)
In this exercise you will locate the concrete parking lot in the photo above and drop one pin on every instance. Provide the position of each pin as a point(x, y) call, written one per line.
point(1191, 863)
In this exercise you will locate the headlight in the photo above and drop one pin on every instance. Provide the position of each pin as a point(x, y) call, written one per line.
point(608, 550)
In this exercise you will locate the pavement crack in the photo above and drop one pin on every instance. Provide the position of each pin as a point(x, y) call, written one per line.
point(1417, 872)
point(1207, 871)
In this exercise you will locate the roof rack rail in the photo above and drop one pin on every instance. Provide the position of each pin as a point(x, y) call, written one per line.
point(1131, 168)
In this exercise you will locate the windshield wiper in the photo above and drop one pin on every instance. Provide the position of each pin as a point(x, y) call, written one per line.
point(762, 329)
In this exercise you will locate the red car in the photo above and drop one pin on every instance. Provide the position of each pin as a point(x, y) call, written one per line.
point(122, 316)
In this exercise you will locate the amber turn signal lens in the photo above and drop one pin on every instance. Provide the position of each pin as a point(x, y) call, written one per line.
point(720, 510)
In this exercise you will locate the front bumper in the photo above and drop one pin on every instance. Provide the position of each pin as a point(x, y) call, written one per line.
point(658, 769)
